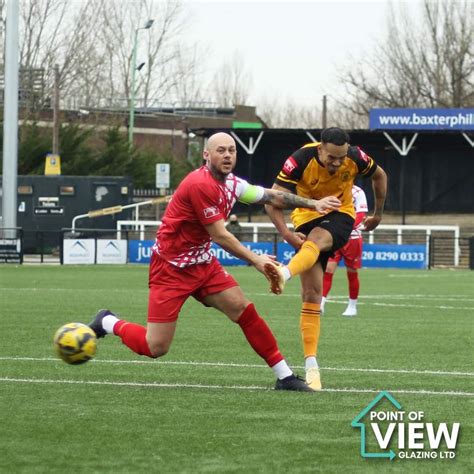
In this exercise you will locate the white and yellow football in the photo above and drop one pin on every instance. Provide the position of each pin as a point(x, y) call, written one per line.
point(75, 343)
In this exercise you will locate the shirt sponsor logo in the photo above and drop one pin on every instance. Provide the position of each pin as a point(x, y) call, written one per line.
point(211, 212)
point(290, 165)
point(364, 156)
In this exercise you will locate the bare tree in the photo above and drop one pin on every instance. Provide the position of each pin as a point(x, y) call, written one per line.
point(54, 32)
point(289, 114)
point(425, 65)
point(188, 89)
point(339, 115)
point(159, 49)
point(161, 53)
point(92, 41)
point(232, 82)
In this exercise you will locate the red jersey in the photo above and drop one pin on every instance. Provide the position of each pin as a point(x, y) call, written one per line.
point(199, 200)
point(360, 206)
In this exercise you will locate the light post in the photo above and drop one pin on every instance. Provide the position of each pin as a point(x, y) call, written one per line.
point(131, 120)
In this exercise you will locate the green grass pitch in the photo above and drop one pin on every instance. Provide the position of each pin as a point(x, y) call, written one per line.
point(208, 405)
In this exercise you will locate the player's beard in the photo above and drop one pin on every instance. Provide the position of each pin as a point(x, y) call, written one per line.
point(220, 173)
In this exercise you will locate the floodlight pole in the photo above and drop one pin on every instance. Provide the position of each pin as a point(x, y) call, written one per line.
point(131, 121)
point(10, 122)
point(56, 112)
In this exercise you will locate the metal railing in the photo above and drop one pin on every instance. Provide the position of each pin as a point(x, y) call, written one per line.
point(107, 211)
point(393, 233)
point(441, 253)
point(406, 232)
point(36, 246)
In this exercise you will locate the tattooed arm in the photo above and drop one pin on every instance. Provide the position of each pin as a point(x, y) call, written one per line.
point(281, 198)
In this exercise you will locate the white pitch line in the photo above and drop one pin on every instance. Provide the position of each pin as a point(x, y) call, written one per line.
point(332, 299)
point(248, 366)
point(225, 387)
point(76, 290)
point(408, 296)
point(396, 305)
point(134, 384)
point(402, 305)
point(453, 274)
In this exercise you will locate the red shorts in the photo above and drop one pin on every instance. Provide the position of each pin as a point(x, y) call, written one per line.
point(171, 286)
point(351, 252)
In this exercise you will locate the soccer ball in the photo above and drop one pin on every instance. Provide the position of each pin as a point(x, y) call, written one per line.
point(75, 343)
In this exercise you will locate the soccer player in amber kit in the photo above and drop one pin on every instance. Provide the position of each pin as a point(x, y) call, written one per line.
point(182, 264)
point(326, 168)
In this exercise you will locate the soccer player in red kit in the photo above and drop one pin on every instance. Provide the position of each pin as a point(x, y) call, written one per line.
point(352, 255)
point(182, 264)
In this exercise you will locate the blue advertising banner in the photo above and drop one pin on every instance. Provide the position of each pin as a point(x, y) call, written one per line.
point(422, 119)
point(285, 252)
point(139, 251)
point(373, 255)
point(224, 257)
point(376, 255)
point(394, 256)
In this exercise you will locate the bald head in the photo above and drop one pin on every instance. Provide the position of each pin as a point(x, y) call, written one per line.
point(219, 139)
point(220, 155)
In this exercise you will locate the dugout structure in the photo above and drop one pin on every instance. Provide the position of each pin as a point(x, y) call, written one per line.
point(433, 174)
point(46, 204)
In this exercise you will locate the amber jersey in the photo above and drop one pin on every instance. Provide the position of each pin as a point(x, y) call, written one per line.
point(304, 175)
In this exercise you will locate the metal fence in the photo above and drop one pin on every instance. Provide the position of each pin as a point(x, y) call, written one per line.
point(47, 246)
point(442, 254)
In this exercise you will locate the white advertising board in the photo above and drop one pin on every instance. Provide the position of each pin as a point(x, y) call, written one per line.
point(111, 251)
point(78, 251)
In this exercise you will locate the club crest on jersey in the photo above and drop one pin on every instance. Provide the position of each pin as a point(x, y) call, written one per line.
point(290, 165)
point(210, 212)
point(345, 176)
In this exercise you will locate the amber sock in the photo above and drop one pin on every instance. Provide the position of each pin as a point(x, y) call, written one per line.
point(310, 325)
point(306, 257)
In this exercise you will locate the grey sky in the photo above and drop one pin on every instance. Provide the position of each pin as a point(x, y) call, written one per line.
point(291, 48)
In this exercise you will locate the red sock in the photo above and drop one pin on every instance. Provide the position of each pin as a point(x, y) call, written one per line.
point(353, 278)
point(133, 336)
point(327, 283)
point(259, 336)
